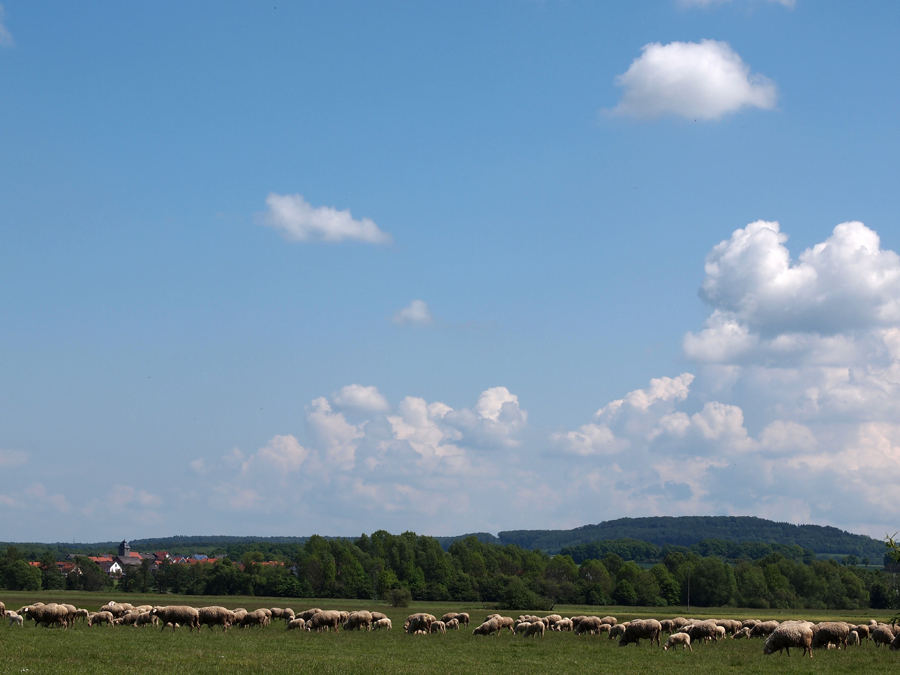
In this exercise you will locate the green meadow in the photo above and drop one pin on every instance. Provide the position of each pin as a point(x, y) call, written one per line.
point(127, 650)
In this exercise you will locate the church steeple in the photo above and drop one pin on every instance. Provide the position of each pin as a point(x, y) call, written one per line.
point(124, 549)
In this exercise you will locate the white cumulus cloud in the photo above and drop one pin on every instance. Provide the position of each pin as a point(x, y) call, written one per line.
point(358, 397)
point(696, 80)
point(297, 220)
point(416, 313)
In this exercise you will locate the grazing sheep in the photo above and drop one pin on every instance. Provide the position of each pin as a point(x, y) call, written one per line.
point(146, 619)
point(679, 622)
point(296, 624)
point(563, 625)
point(126, 620)
point(2, 610)
point(327, 620)
point(589, 624)
point(386, 624)
point(257, 617)
point(853, 639)
point(863, 631)
point(214, 616)
point(101, 617)
point(763, 628)
point(640, 629)
point(448, 616)
point(742, 633)
point(536, 628)
point(521, 627)
point(307, 615)
point(702, 631)
point(611, 620)
point(682, 639)
point(616, 631)
point(790, 634)
point(419, 621)
point(487, 628)
point(505, 622)
point(438, 627)
point(378, 616)
point(882, 636)
point(15, 619)
point(358, 620)
point(47, 615)
point(452, 624)
point(831, 633)
point(668, 626)
point(177, 615)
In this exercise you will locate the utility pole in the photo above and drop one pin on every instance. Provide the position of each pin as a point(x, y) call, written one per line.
point(689, 590)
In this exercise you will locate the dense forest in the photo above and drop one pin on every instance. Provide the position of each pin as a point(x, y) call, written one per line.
point(409, 566)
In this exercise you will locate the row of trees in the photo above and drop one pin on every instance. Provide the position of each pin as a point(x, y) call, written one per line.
point(384, 565)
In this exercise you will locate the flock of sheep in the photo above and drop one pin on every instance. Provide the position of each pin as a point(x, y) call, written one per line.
point(681, 632)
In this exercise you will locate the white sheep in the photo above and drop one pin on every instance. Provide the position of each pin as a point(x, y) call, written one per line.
point(682, 639)
point(15, 619)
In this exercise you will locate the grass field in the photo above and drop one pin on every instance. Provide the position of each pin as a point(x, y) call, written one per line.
point(126, 650)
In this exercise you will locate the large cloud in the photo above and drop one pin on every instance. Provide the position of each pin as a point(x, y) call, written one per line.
point(792, 413)
point(297, 220)
point(704, 80)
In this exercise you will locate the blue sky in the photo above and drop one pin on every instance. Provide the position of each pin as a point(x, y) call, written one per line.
point(337, 267)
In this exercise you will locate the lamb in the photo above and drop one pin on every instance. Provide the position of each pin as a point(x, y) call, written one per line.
point(214, 616)
point(386, 624)
point(682, 639)
point(790, 634)
point(101, 617)
point(853, 639)
point(521, 627)
point(639, 629)
point(563, 625)
point(145, 619)
point(742, 633)
point(616, 631)
point(438, 627)
point(535, 628)
point(487, 628)
point(296, 624)
point(177, 614)
point(15, 619)
point(831, 632)
point(452, 624)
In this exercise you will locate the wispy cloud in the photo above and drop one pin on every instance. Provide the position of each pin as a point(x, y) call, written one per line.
point(297, 220)
point(6, 38)
point(416, 313)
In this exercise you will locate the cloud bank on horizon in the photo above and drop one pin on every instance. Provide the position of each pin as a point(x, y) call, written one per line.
point(794, 396)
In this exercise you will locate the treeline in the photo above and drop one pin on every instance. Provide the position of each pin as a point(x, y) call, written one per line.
point(690, 530)
point(383, 566)
point(731, 551)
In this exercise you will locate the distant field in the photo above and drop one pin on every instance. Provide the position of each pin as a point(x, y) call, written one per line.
point(126, 650)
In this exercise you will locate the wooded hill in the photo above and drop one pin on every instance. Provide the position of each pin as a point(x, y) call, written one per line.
point(688, 531)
